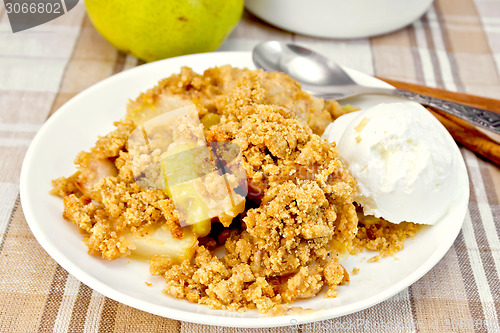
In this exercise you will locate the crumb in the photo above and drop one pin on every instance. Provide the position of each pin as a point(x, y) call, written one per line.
point(148, 284)
point(355, 271)
point(377, 234)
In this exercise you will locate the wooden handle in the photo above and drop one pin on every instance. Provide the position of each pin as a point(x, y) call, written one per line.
point(460, 130)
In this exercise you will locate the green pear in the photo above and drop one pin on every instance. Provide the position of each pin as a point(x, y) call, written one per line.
point(153, 30)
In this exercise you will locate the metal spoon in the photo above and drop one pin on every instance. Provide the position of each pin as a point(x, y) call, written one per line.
point(324, 78)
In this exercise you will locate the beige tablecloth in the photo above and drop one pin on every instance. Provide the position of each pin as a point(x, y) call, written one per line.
point(455, 46)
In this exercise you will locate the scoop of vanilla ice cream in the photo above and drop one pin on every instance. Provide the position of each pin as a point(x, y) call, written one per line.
point(404, 161)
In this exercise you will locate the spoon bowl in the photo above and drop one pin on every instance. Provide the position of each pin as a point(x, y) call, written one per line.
point(302, 64)
point(316, 73)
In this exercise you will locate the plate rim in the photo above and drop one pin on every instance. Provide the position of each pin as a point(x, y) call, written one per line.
point(187, 316)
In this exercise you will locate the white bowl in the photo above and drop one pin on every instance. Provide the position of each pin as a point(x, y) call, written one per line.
point(339, 18)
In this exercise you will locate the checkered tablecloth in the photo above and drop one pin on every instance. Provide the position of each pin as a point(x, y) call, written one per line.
point(456, 46)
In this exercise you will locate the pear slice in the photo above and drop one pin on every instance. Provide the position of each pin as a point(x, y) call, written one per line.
point(160, 242)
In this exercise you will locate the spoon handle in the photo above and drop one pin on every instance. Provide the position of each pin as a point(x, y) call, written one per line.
point(480, 117)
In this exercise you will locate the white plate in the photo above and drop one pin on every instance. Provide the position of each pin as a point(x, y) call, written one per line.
point(75, 127)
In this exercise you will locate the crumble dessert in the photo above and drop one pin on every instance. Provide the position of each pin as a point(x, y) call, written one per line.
point(284, 242)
